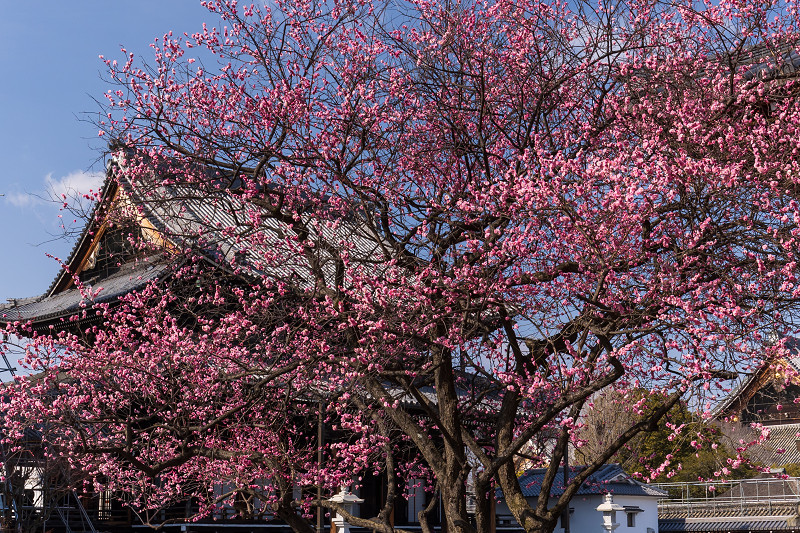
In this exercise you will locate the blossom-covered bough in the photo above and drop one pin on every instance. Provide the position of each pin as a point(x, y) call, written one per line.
point(446, 226)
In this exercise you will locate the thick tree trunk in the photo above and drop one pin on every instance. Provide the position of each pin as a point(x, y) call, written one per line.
point(456, 467)
point(484, 508)
point(455, 509)
point(529, 519)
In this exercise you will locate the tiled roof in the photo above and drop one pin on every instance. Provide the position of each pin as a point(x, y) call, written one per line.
point(780, 449)
point(473, 390)
point(765, 504)
point(224, 228)
point(231, 231)
point(131, 277)
point(763, 61)
point(700, 525)
point(609, 478)
point(766, 486)
point(792, 344)
point(741, 386)
point(706, 509)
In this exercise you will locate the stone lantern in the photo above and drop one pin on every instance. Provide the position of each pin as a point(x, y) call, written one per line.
point(609, 510)
point(346, 499)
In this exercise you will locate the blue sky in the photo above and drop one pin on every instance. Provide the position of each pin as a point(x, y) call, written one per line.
point(50, 75)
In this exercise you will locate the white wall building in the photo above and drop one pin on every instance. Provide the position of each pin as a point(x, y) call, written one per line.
point(639, 501)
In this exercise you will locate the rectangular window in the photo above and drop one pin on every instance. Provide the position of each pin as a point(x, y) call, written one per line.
point(631, 519)
point(416, 499)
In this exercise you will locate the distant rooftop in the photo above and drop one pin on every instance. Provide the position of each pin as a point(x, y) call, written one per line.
point(762, 504)
point(610, 478)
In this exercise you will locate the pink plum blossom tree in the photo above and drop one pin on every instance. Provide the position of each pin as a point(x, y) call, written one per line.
point(451, 224)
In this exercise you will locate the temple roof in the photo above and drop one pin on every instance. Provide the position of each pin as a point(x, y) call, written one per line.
point(735, 401)
point(219, 225)
point(725, 524)
point(45, 310)
point(216, 224)
point(781, 448)
point(610, 478)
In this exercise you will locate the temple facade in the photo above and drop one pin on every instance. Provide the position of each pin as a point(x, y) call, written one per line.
point(770, 397)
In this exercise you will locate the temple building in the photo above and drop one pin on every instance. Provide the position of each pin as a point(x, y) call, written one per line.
point(132, 238)
point(770, 396)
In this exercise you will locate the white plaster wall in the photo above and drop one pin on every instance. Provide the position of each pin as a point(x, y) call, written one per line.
point(33, 482)
point(586, 519)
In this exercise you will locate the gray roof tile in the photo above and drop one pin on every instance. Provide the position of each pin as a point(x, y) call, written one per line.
point(727, 524)
point(779, 449)
point(226, 230)
point(610, 478)
point(232, 232)
point(131, 277)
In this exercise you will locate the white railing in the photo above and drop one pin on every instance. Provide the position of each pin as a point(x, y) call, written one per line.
point(734, 491)
point(746, 496)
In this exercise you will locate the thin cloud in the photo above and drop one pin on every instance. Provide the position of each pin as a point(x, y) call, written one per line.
point(74, 184)
point(20, 199)
point(71, 188)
